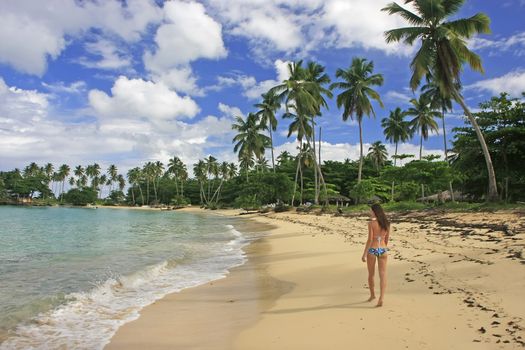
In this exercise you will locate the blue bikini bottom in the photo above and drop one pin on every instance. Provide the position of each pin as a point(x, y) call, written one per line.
point(377, 251)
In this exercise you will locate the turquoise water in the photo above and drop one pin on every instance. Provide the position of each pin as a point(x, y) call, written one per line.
point(70, 277)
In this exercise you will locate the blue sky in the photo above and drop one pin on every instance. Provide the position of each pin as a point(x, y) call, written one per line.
point(126, 82)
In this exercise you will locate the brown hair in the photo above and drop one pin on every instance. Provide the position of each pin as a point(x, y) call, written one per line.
point(381, 217)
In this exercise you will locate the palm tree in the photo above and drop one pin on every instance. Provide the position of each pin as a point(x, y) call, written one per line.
point(199, 170)
point(315, 73)
point(157, 170)
point(63, 173)
point(134, 179)
point(121, 182)
point(423, 121)
point(79, 173)
point(378, 154)
point(112, 176)
point(267, 108)
point(284, 157)
point(262, 164)
point(250, 142)
point(438, 102)
point(444, 104)
point(175, 168)
point(442, 54)
point(49, 169)
point(357, 82)
point(302, 94)
point(396, 129)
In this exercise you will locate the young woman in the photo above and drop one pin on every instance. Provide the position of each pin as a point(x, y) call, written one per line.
point(376, 249)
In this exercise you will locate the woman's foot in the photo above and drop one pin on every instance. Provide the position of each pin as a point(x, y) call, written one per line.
point(379, 303)
point(372, 297)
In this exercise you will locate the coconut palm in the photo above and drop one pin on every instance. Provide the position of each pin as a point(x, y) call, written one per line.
point(423, 121)
point(63, 173)
point(396, 129)
point(249, 142)
point(378, 154)
point(440, 103)
point(315, 73)
point(175, 167)
point(443, 53)
point(199, 170)
point(303, 95)
point(267, 108)
point(134, 178)
point(262, 164)
point(357, 82)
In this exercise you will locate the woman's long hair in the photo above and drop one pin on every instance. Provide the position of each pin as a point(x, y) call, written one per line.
point(381, 217)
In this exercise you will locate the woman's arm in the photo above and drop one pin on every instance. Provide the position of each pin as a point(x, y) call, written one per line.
point(368, 242)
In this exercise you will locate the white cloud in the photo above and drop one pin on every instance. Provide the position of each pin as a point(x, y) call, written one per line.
point(187, 34)
point(253, 89)
point(293, 26)
point(109, 56)
point(126, 139)
point(398, 97)
point(343, 151)
point(512, 82)
point(76, 87)
point(230, 111)
point(359, 23)
point(137, 98)
point(180, 79)
point(31, 32)
point(514, 42)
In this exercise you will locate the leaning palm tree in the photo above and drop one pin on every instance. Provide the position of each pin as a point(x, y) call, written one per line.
point(396, 129)
point(357, 82)
point(443, 53)
point(267, 108)
point(378, 154)
point(423, 121)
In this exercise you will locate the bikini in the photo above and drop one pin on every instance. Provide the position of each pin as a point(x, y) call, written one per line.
point(377, 251)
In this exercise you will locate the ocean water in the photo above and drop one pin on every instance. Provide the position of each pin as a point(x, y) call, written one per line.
point(70, 277)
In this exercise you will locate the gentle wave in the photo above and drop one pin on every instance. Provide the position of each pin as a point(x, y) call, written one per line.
point(88, 320)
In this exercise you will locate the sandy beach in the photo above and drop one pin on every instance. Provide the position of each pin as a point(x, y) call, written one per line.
point(455, 281)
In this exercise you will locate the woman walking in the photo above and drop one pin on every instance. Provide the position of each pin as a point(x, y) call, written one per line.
point(376, 249)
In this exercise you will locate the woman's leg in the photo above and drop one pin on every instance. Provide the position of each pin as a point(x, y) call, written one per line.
point(382, 277)
point(371, 263)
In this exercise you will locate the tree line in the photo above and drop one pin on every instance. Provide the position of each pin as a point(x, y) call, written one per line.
point(491, 137)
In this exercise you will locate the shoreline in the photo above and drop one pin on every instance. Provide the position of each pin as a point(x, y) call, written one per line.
point(229, 303)
point(452, 284)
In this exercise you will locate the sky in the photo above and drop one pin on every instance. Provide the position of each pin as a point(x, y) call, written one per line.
point(126, 82)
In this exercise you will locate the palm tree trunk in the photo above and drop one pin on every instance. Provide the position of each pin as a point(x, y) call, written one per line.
point(493, 189)
point(302, 183)
point(360, 150)
point(395, 154)
point(444, 133)
point(316, 195)
point(132, 195)
point(421, 145)
point(296, 173)
point(141, 195)
point(271, 144)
